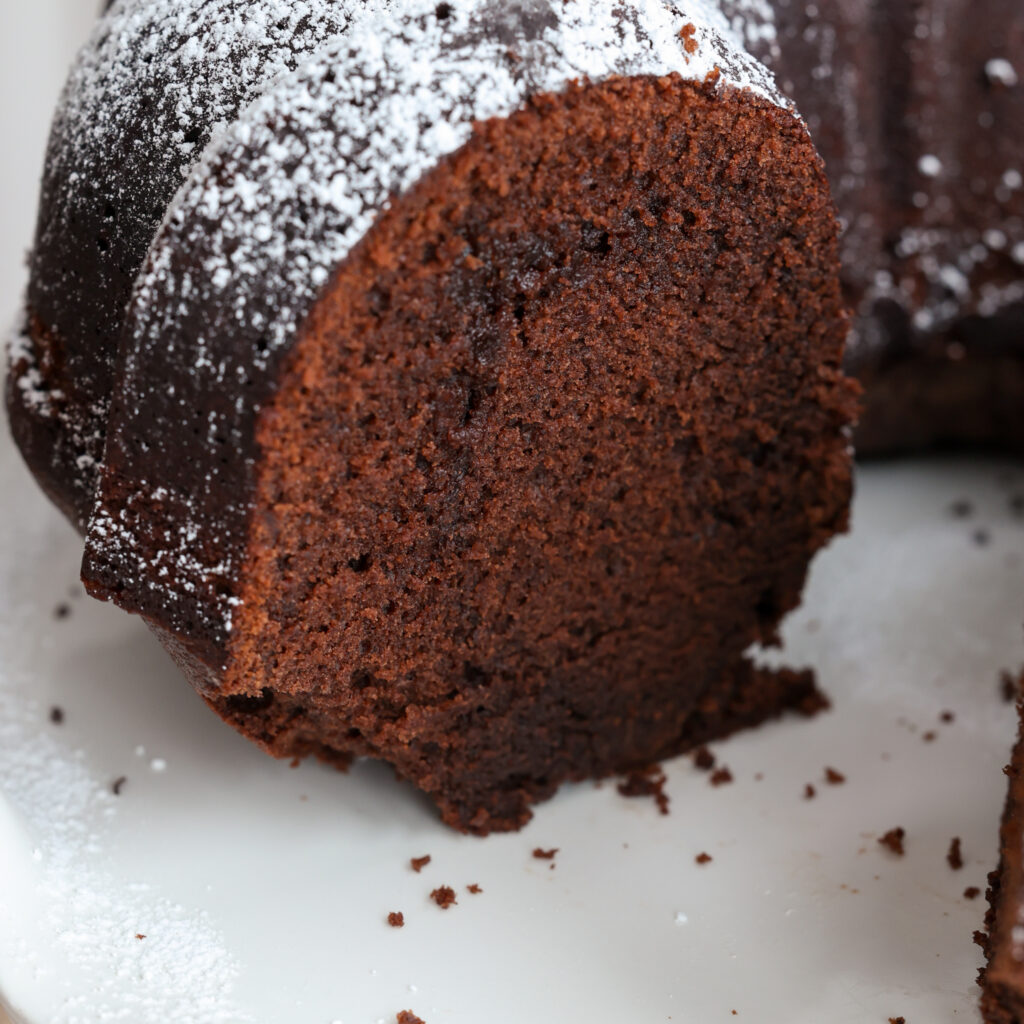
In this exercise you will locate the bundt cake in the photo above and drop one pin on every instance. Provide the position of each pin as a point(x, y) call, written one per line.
point(917, 107)
point(453, 384)
point(459, 384)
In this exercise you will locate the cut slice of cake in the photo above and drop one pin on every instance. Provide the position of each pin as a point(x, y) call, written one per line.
point(1002, 979)
point(480, 402)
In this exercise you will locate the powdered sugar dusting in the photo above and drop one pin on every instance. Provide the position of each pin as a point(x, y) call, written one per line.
point(282, 196)
point(211, 57)
point(28, 377)
point(88, 923)
point(1001, 71)
point(368, 117)
point(154, 82)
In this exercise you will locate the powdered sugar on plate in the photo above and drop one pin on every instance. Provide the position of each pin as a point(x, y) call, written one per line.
point(69, 929)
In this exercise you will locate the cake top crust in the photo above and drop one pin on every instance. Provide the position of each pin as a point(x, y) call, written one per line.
point(157, 82)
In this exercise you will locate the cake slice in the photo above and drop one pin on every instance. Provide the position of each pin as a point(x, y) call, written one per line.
point(1002, 979)
point(479, 400)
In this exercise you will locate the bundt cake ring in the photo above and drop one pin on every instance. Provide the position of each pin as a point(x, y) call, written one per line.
point(461, 384)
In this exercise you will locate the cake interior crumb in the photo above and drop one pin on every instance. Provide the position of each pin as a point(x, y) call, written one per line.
point(444, 896)
point(893, 841)
point(647, 782)
point(955, 857)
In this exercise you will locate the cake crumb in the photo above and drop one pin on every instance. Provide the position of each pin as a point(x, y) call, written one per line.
point(897, 1020)
point(545, 854)
point(930, 736)
point(139, 936)
point(62, 611)
point(721, 776)
point(834, 778)
point(646, 782)
point(815, 702)
point(972, 892)
point(396, 919)
point(954, 857)
point(444, 896)
point(474, 889)
point(686, 33)
point(1009, 686)
point(809, 792)
point(407, 1016)
point(947, 717)
point(57, 715)
point(419, 863)
point(893, 841)
point(704, 759)
point(118, 784)
point(703, 858)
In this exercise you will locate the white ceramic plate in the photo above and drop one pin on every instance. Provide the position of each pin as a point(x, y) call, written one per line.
point(262, 891)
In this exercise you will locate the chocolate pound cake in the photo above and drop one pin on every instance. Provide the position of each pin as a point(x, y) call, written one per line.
point(146, 92)
point(1002, 979)
point(476, 403)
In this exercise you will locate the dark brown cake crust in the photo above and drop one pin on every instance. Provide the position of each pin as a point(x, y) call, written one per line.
point(107, 182)
point(1002, 979)
point(918, 112)
point(533, 544)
